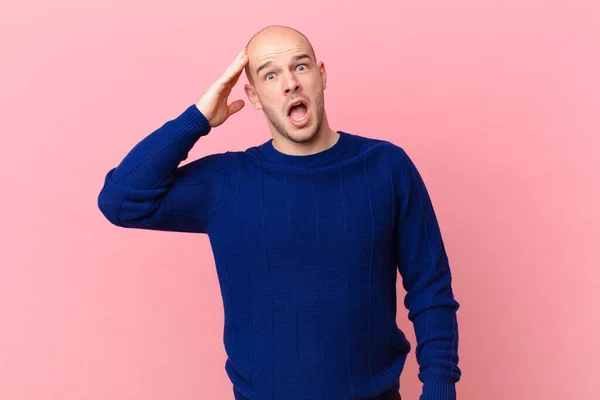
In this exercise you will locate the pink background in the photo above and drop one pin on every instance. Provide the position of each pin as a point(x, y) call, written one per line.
point(496, 101)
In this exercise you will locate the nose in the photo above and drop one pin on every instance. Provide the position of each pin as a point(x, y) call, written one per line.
point(291, 84)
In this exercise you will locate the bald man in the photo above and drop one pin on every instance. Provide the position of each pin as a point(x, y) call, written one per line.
point(308, 230)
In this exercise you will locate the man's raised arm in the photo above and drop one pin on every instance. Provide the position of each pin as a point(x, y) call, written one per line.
point(148, 189)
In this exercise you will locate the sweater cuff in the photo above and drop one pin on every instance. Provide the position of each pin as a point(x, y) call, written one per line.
point(439, 388)
point(193, 121)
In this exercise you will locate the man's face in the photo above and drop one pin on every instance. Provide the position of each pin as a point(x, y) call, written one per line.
point(284, 74)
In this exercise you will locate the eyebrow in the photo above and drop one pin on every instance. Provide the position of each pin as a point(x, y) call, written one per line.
point(297, 57)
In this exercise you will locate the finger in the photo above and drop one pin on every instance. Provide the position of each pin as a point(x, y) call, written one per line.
point(235, 77)
point(235, 69)
point(236, 106)
point(233, 66)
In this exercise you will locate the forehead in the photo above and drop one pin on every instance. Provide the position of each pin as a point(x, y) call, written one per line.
point(276, 48)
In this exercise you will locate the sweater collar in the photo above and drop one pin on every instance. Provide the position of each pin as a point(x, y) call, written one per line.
point(323, 158)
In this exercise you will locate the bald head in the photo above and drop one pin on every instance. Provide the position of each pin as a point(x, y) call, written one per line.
point(268, 40)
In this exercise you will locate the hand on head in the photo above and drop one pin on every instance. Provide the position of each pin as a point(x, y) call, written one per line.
point(214, 102)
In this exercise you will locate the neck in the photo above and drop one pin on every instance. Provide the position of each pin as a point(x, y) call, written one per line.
point(324, 139)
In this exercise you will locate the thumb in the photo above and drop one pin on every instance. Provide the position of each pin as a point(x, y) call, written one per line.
point(235, 106)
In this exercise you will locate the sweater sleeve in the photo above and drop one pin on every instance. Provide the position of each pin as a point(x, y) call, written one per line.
point(424, 268)
point(148, 189)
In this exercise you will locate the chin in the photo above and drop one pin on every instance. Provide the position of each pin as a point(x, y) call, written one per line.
point(301, 135)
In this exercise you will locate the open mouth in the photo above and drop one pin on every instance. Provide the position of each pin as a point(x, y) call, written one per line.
point(298, 113)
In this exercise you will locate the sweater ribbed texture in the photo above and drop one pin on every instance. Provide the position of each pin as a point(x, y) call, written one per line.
point(307, 251)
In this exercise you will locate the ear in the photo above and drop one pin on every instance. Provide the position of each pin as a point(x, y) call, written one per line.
point(252, 96)
point(323, 74)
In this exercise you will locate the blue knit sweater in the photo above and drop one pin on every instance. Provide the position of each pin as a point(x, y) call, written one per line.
point(307, 250)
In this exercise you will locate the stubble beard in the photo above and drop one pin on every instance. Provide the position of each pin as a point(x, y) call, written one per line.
point(282, 125)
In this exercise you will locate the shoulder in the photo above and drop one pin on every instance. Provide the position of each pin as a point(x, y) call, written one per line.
point(387, 152)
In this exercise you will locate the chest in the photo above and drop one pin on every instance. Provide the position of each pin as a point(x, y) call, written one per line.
point(346, 206)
